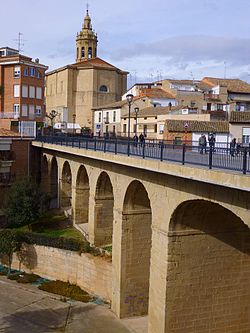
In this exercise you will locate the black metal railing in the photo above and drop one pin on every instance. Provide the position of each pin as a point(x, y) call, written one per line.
point(220, 156)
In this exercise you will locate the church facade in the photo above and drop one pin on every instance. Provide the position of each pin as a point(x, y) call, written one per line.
point(73, 90)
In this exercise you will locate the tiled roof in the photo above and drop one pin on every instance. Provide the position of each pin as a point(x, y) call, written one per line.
point(156, 93)
point(95, 63)
point(233, 85)
point(239, 117)
point(197, 126)
point(7, 133)
point(114, 105)
point(187, 82)
point(155, 111)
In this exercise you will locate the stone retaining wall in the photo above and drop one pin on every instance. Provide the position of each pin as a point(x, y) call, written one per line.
point(93, 274)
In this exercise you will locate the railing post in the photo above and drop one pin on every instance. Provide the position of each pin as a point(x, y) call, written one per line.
point(162, 146)
point(183, 153)
point(104, 147)
point(87, 143)
point(95, 144)
point(210, 157)
point(245, 161)
point(79, 143)
point(128, 146)
point(143, 149)
point(115, 146)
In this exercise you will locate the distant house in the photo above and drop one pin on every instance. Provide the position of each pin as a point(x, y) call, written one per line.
point(239, 125)
point(190, 130)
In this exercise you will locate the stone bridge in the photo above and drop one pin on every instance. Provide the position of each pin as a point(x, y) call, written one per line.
point(180, 235)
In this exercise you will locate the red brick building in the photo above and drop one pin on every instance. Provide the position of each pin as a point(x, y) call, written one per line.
point(21, 92)
point(14, 161)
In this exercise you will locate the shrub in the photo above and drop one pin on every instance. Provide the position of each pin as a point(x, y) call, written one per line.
point(10, 242)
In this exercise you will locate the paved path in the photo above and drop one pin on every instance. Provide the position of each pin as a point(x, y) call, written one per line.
point(26, 309)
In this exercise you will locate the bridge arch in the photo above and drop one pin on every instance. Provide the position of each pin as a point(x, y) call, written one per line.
point(66, 188)
point(136, 250)
point(104, 210)
point(54, 186)
point(208, 269)
point(81, 214)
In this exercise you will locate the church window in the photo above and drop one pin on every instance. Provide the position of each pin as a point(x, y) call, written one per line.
point(77, 53)
point(103, 88)
point(90, 52)
point(83, 52)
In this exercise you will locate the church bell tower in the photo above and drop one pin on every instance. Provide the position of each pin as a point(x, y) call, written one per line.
point(86, 41)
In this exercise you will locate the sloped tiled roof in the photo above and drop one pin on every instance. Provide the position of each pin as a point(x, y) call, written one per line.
point(7, 133)
point(239, 117)
point(197, 126)
point(114, 105)
point(187, 82)
point(95, 63)
point(156, 93)
point(233, 85)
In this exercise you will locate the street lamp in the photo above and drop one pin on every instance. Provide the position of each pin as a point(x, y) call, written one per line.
point(129, 98)
point(136, 113)
point(74, 122)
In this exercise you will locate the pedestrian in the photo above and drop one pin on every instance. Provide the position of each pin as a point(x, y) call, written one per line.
point(141, 138)
point(135, 139)
point(211, 140)
point(232, 147)
point(202, 143)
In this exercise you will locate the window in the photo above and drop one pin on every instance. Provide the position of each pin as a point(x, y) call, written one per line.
point(161, 128)
point(31, 110)
point(107, 129)
point(16, 110)
point(103, 88)
point(113, 129)
point(107, 117)
point(31, 92)
point(192, 104)
point(16, 90)
point(24, 110)
point(246, 135)
point(135, 128)
point(38, 110)
point(38, 74)
point(83, 52)
point(145, 118)
point(124, 128)
point(99, 117)
point(17, 71)
point(114, 116)
point(145, 128)
point(32, 71)
point(25, 72)
point(24, 91)
point(38, 92)
point(90, 52)
point(155, 128)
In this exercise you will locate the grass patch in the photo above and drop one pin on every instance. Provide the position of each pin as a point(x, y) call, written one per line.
point(67, 290)
point(24, 277)
point(108, 248)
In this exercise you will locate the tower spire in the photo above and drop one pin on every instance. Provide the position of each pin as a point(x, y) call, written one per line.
point(86, 40)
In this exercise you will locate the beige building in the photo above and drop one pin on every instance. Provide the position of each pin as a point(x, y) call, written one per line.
point(73, 90)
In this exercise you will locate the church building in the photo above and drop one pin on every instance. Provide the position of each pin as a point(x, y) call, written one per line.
point(73, 90)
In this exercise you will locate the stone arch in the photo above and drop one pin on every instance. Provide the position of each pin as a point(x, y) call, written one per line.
point(81, 213)
point(54, 183)
point(136, 250)
point(45, 174)
point(104, 210)
point(208, 269)
point(66, 188)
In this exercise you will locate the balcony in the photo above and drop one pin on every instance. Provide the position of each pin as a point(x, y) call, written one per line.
point(214, 97)
point(9, 115)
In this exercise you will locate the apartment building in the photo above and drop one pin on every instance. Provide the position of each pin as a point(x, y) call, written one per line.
point(21, 92)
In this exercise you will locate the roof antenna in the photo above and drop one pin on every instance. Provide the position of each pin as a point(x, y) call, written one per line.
point(19, 41)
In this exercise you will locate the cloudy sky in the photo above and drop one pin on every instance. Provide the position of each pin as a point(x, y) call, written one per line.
point(151, 39)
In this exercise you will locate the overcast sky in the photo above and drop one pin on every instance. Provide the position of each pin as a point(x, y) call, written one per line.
point(152, 39)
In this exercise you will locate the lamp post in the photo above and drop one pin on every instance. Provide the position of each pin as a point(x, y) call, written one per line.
point(74, 122)
point(129, 98)
point(136, 113)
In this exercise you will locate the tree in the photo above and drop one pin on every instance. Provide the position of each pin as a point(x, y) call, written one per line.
point(25, 203)
point(9, 243)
